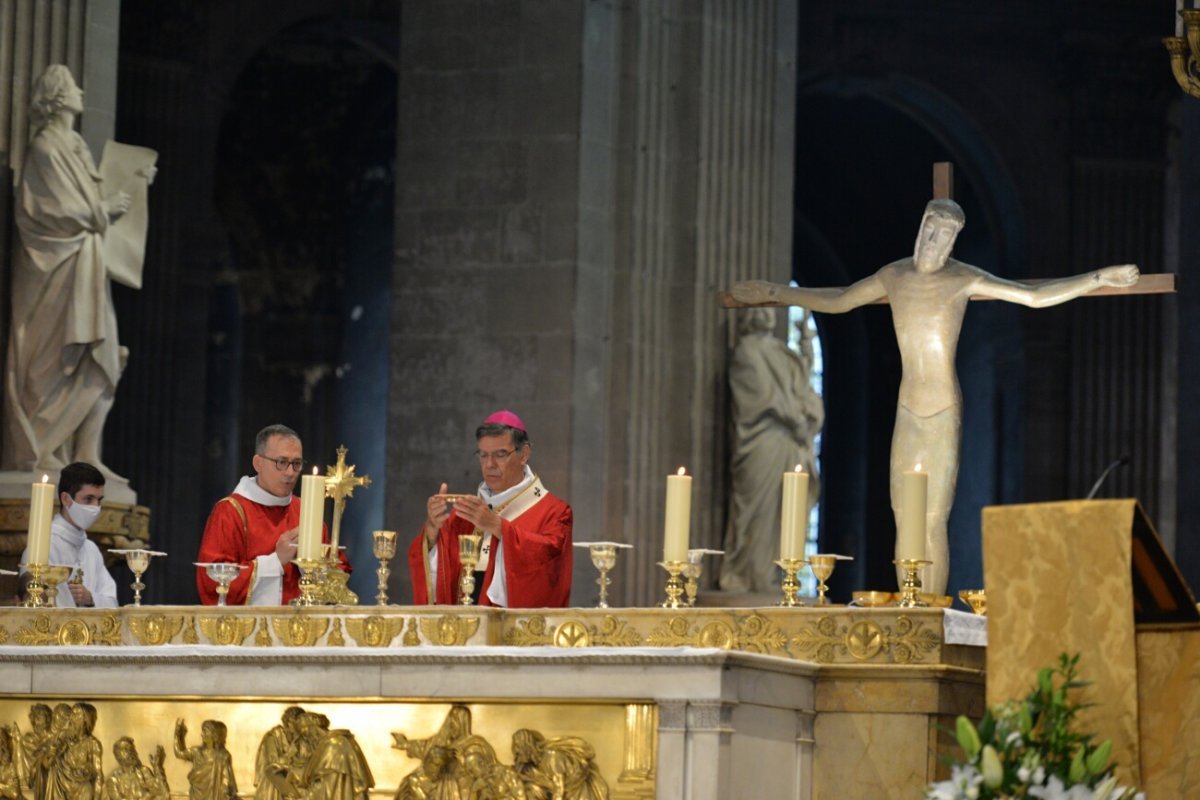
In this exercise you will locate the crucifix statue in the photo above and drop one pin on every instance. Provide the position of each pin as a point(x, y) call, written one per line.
point(928, 293)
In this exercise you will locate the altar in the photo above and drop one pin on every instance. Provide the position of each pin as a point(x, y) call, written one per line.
point(813, 702)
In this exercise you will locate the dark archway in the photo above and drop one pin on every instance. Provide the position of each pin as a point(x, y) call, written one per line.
point(864, 151)
point(304, 183)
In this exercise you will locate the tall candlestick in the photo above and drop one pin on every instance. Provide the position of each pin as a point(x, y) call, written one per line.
point(793, 523)
point(312, 513)
point(678, 518)
point(41, 510)
point(914, 493)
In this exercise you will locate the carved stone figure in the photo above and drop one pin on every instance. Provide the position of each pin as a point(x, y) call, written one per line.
point(776, 416)
point(928, 294)
point(211, 776)
point(133, 780)
point(560, 768)
point(272, 758)
point(75, 764)
point(64, 359)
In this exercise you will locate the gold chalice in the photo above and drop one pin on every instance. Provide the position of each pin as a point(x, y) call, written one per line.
point(604, 558)
point(976, 599)
point(872, 599)
point(385, 550)
point(822, 566)
point(468, 557)
point(53, 575)
point(138, 561)
point(222, 573)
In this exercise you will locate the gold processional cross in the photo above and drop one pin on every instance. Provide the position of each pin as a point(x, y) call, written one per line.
point(340, 483)
point(943, 187)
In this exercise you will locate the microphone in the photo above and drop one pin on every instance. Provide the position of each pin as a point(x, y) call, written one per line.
point(1120, 462)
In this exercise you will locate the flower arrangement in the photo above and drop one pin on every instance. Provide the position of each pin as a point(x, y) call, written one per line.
point(1029, 749)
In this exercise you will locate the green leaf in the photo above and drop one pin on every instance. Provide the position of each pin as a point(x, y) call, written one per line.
point(993, 773)
point(1078, 770)
point(968, 737)
point(1026, 721)
point(1045, 680)
point(1098, 760)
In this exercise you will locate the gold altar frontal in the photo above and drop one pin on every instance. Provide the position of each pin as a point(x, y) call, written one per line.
point(835, 702)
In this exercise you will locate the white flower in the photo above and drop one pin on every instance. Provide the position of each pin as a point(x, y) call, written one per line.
point(1054, 790)
point(1014, 738)
point(1023, 774)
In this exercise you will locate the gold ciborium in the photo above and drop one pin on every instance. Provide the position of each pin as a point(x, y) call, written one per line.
point(468, 557)
point(222, 573)
point(976, 599)
point(822, 566)
point(138, 561)
point(910, 589)
point(53, 576)
point(384, 548)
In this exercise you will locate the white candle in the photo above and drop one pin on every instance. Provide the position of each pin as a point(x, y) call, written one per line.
point(312, 514)
point(679, 516)
point(41, 511)
point(793, 523)
point(914, 493)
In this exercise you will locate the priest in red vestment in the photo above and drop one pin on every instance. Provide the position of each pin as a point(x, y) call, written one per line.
point(258, 525)
point(525, 557)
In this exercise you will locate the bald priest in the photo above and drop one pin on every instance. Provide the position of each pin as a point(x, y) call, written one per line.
point(525, 557)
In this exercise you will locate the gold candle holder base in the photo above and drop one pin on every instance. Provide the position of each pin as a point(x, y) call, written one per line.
point(468, 557)
point(910, 589)
point(791, 585)
point(674, 586)
point(385, 550)
point(334, 588)
point(310, 582)
point(35, 590)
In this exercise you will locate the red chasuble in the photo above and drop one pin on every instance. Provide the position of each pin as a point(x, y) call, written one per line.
point(537, 557)
point(228, 538)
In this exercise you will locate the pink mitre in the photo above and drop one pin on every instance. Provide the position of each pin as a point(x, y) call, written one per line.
point(506, 417)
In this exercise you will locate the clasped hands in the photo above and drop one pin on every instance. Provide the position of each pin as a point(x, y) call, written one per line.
point(470, 508)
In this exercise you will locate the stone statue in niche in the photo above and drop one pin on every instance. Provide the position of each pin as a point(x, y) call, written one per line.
point(79, 227)
point(928, 294)
point(776, 417)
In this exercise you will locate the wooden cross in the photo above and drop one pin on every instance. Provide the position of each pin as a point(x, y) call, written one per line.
point(943, 188)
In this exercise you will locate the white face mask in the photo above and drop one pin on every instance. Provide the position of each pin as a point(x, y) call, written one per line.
point(83, 516)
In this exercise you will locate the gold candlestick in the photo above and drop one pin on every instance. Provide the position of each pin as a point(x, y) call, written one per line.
point(35, 590)
point(910, 590)
point(791, 586)
point(385, 550)
point(311, 579)
point(674, 584)
point(468, 557)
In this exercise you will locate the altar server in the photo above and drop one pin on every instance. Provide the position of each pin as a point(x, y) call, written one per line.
point(525, 559)
point(80, 491)
point(258, 525)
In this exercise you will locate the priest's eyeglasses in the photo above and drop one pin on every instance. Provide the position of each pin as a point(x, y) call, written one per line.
point(282, 464)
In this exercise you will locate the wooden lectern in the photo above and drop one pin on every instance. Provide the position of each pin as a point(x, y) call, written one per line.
point(1092, 577)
